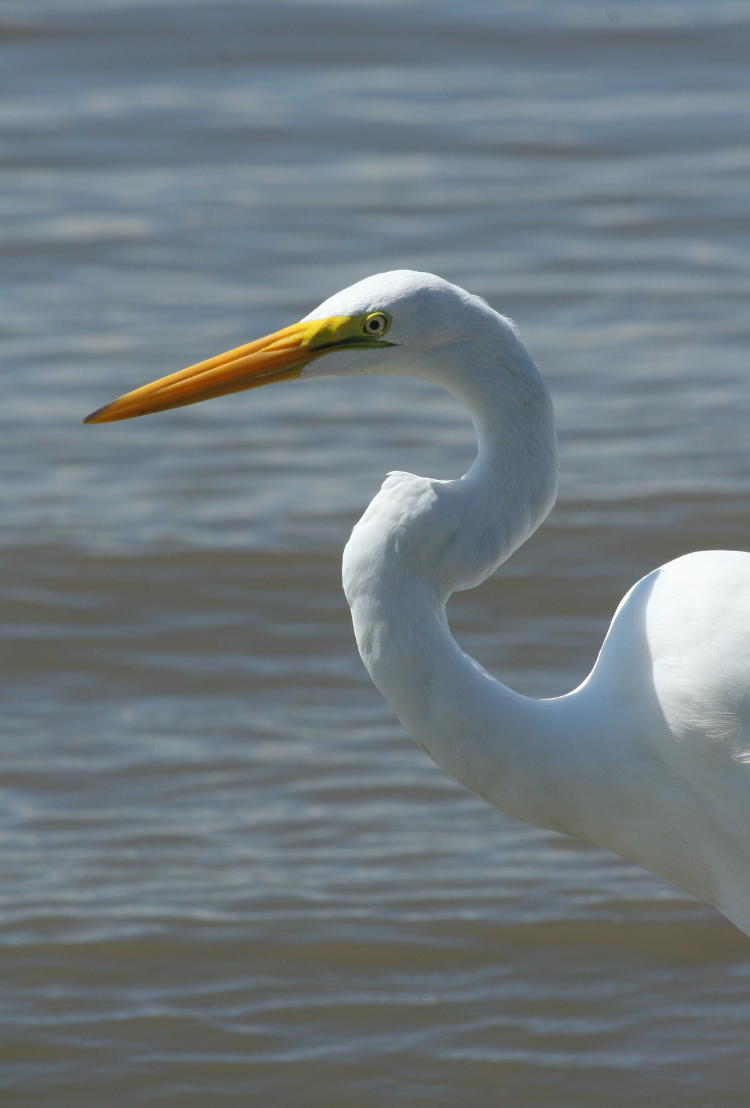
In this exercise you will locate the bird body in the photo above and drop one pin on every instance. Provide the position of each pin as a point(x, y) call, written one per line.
point(650, 755)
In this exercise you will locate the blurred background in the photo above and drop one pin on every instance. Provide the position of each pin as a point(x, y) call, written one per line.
point(227, 877)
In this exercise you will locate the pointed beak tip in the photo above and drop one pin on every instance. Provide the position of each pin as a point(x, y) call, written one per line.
point(96, 417)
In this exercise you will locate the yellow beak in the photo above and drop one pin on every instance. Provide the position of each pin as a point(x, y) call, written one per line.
point(275, 357)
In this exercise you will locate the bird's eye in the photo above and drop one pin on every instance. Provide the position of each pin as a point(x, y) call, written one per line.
point(376, 324)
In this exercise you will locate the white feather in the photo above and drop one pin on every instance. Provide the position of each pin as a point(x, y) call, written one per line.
point(650, 756)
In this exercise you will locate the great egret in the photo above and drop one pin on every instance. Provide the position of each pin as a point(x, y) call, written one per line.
point(650, 755)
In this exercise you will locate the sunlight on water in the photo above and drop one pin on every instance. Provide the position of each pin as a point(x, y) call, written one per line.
point(227, 876)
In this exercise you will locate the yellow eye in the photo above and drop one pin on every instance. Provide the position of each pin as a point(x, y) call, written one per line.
point(376, 324)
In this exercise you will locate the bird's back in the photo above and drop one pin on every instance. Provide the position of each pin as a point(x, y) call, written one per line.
point(674, 671)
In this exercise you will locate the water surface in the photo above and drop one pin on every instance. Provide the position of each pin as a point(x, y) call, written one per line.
point(227, 876)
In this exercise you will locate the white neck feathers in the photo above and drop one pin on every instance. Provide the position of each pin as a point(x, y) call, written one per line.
point(419, 541)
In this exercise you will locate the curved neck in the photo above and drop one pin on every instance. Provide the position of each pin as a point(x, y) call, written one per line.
point(422, 539)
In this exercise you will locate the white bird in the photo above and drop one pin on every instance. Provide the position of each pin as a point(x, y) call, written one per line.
point(650, 755)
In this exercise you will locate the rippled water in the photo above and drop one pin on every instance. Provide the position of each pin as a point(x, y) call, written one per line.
point(227, 877)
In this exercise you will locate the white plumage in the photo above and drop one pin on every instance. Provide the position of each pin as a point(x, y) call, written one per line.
point(650, 755)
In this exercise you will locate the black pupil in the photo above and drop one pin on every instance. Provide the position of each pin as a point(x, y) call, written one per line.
point(375, 324)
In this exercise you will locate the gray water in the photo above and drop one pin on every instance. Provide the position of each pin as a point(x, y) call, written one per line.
point(227, 877)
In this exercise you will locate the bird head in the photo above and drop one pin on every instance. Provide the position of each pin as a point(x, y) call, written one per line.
point(402, 322)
